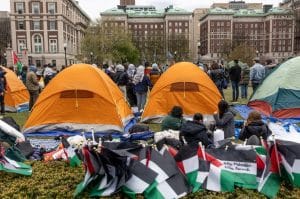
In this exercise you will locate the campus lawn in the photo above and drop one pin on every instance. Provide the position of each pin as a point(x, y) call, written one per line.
point(58, 180)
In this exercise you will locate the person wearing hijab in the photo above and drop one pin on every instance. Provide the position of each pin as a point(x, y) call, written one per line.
point(130, 86)
point(142, 84)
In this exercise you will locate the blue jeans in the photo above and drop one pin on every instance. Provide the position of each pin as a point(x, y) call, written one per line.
point(235, 90)
point(244, 90)
point(141, 100)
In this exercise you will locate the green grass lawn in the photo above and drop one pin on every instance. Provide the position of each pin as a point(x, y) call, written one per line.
point(58, 180)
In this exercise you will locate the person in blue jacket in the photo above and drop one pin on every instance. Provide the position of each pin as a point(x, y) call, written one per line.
point(142, 84)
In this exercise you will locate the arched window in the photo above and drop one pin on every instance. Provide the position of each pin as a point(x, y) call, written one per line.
point(37, 44)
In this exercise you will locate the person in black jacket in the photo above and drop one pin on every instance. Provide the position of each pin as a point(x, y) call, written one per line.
point(194, 131)
point(255, 129)
point(121, 79)
point(235, 78)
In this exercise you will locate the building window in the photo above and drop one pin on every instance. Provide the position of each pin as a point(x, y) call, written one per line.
point(21, 45)
point(38, 63)
point(37, 44)
point(21, 25)
point(36, 7)
point(36, 25)
point(53, 45)
point(52, 25)
point(20, 8)
point(51, 8)
point(53, 62)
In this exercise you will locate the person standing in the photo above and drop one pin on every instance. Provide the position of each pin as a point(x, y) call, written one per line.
point(235, 78)
point(130, 86)
point(2, 90)
point(142, 84)
point(32, 85)
point(154, 74)
point(217, 75)
point(121, 79)
point(245, 77)
point(257, 74)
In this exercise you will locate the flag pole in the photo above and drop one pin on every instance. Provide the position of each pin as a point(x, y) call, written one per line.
point(276, 153)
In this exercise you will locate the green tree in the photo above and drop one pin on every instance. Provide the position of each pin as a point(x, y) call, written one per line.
point(108, 44)
point(243, 53)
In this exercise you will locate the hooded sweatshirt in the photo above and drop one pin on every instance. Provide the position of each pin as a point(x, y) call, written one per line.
point(257, 128)
point(226, 123)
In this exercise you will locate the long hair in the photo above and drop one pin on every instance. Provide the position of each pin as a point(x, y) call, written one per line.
point(223, 107)
point(254, 116)
point(176, 112)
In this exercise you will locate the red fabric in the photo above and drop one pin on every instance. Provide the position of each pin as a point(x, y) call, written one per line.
point(287, 113)
point(261, 106)
point(172, 151)
point(181, 167)
point(88, 162)
point(209, 158)
point(15, 58)
point(260, 163)
point(275, 159)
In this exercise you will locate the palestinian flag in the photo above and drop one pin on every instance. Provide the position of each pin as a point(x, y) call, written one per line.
point(290, 156)
point(142, 177)
point(73, 159)
point(195, 169)
point(163, 164)
point(11, 166)
point(170, 182)
point(235, 166)
point(17, 62)
point(270, 182)
point(261, 155)
point(174, 187)
point(114, 173)
point(92, 167)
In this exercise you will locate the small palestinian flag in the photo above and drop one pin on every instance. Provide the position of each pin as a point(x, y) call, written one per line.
point(195, 169)
point(114, 173)
point(174, 187)
point(142, 177)
point(270, 182)
point(92, 167)
point(11, 166)
point(261, 155)
point(290, 155)
point(235, 166)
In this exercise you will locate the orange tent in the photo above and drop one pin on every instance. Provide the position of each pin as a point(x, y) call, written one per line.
point(77, 99)
point(16, 98)
point(185, 85)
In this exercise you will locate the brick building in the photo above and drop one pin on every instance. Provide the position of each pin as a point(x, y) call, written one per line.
point(5, 35)
point(158, 34)
point(236, 5)
point(127, 2)
point(294, 6)
point(42, 29)
point(270, 32)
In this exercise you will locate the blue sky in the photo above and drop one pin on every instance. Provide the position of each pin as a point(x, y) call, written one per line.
point(94, 7)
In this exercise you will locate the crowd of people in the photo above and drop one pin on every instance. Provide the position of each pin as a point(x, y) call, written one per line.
point(194, 131)
point(240, 75)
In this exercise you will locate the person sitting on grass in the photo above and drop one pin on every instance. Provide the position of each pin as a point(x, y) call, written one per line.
point(254, 129)
point(194, 131)
point(225, 119)
point(174, 120)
